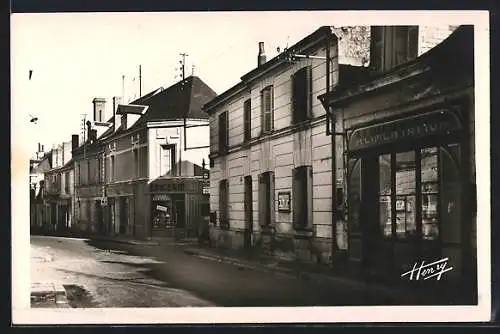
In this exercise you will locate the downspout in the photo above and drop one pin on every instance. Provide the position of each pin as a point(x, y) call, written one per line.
point(331, 119)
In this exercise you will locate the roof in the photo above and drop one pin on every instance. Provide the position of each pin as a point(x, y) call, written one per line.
point(183, 99)
point(454, 56)
point(321, 33)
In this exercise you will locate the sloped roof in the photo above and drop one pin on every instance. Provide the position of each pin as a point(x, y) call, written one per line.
point(183, 99)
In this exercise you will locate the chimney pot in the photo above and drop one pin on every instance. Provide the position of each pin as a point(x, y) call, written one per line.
point(261, 59)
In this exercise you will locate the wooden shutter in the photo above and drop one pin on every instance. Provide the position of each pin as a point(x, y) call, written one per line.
point(263, 199)
point(247, 115)
point(301, 94)
point(223, 132)
point(267, 109)
point(299, 198)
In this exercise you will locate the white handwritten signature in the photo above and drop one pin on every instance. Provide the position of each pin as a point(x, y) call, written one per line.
point(426, 271)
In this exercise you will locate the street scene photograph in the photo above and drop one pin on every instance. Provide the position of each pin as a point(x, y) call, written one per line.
point(237, 159)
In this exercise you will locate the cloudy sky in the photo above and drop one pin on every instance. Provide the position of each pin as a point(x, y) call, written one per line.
point(78, 56)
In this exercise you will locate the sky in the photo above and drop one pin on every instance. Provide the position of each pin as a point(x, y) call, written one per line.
point(76, 57)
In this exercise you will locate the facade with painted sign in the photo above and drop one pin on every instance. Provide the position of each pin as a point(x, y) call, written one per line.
point(409, 165)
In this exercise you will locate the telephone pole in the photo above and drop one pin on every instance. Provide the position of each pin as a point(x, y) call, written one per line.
point(140, 82)
point(183, 64)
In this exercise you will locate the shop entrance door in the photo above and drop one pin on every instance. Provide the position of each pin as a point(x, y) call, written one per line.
point(375, 255)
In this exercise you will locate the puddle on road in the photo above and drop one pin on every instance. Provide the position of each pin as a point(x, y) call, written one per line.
point(79, 297)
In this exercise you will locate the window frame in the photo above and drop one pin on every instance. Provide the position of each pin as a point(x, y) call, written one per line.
point(302, 182)
point(383, 52)
point(302, 110)
point(269, 113)
point(247, 120)
point(224, 203)
point(223, 135)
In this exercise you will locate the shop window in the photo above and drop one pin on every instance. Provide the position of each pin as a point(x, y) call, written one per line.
point(302, 94)
point(385, 194)
point(266, 191)
point(223, 132)
point(430, 193)
point(267, 112)
point(224, 203)
point(405, 194)
point(450, 195)
point(302, 197)
point(247, 120)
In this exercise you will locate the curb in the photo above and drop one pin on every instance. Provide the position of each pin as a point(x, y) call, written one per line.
point(128, 242)
point(393, 292)
point(50, 291)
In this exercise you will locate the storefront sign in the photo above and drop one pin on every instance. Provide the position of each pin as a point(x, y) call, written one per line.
point(441, 122)
point(161, 208)
point(176, 186)
point(162, 197)
point(284, 201)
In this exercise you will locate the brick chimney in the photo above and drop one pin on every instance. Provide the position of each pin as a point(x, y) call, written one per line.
point(261, 58)
point(116, 101)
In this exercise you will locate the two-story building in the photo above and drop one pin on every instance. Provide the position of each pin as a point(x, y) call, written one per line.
point(39, 165)
point(154, 182)
point(274, 184)
point(405, 153)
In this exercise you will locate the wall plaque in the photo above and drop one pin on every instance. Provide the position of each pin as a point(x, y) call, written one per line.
point(436, 123)
point(284, 201)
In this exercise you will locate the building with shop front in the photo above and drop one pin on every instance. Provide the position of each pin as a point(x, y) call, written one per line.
point(273, 183)
point(153, 158)
point(405, 151)
point(39, 165)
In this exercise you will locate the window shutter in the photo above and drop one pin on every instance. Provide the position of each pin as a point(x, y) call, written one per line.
point(267, 109)
point(301, 94)
point(223, 132)
point(263, 200)
point(247, 120)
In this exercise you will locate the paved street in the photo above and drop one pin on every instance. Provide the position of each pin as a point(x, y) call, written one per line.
point(107, 274)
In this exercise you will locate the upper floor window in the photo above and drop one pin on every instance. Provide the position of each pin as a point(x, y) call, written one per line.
point(301, 94)
point(112, 168)
point(136, 163)
point(223, 132)
point(167, 159)
point(392, 46)
point(247, 120)
point(267, 109)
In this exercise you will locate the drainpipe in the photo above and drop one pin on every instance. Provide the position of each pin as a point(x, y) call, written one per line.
point(332, 130)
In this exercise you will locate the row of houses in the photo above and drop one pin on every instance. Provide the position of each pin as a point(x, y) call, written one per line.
point(353, 146)
point(139, 172)
point(345, 150)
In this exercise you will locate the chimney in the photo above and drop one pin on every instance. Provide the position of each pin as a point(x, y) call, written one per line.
point(261, 59)
point(99, 109)
point(42, 149)
point(39, 147)
point(116, 101)
point(93, 135)
point(89, 130)
point(74, 143)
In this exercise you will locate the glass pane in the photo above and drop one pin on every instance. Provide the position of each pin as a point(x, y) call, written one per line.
point(405, 194)
point(354, 197)
point(430, 217)
point(385, 174)
point(385, 215)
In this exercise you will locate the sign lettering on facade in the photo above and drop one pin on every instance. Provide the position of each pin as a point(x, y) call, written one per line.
point(441, 122)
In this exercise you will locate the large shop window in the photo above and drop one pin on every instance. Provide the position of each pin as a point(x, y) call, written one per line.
point(266, 191)
point(302, 94)
point(419, 194)
point(302, 197)
point(224, 203)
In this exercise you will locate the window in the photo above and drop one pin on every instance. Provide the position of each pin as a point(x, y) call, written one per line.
point(66, 182)
point(267, 106)
point(112, 168)
point(136, 163)
point(266, 198)
point(392, 46)
point(301, 95)
point(223, 203)
point(223, 133)
point(167, 159)
point(302, 197)
point(247, 120)
point(79, 174)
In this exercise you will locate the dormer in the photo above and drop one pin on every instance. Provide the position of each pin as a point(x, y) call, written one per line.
point(129, 114)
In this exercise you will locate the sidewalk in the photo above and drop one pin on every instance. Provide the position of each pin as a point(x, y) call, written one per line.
point(398, 289)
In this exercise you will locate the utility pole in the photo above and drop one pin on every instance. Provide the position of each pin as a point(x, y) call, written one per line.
point(84, 121)
point(183, 64)
point(192, 70)
point(140, 82)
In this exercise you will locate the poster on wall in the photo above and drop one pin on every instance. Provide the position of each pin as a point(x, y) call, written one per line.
point(284, 201)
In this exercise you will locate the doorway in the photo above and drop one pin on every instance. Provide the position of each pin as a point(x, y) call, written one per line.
point(248, 202)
